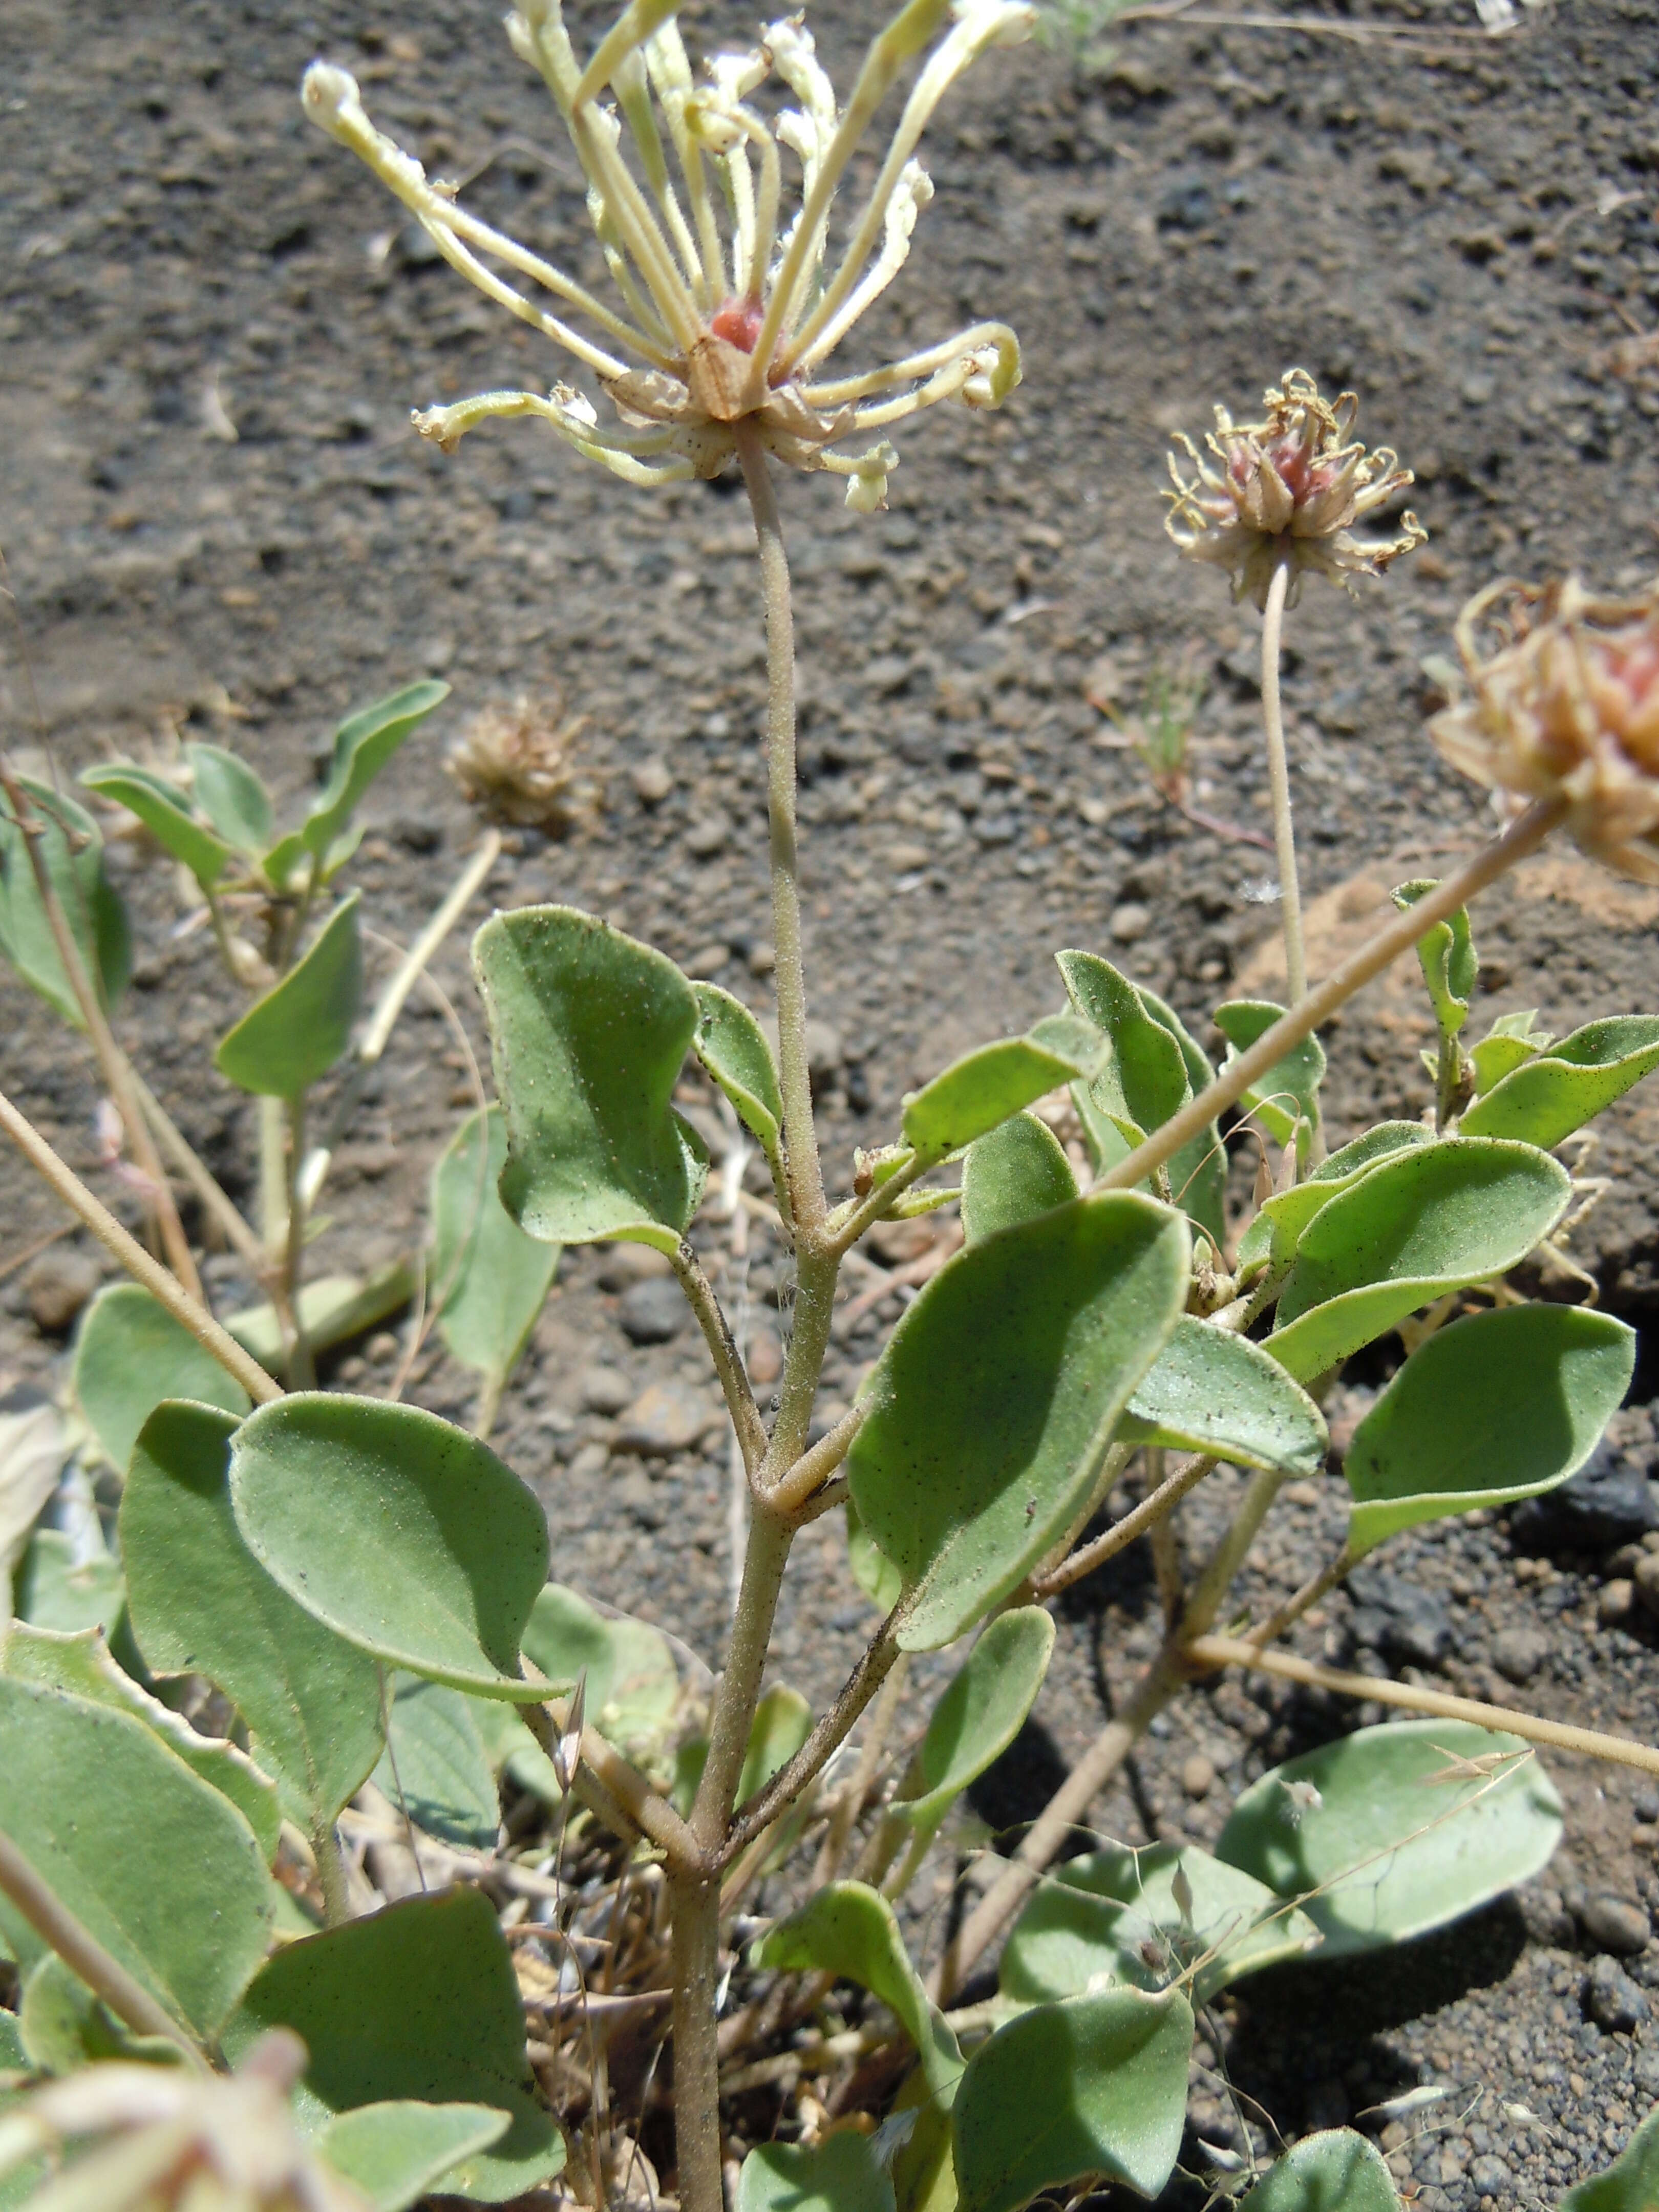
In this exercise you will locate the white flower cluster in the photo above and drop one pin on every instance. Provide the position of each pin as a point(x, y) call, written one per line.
point(730, 305)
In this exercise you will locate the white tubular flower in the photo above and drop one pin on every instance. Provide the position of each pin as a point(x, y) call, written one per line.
point(731, 298)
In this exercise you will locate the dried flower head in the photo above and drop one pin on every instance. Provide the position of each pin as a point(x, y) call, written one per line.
point(730, 303)
point(1566, 707)
point(177, 2138)
point(516, 763)
point(1288, 490)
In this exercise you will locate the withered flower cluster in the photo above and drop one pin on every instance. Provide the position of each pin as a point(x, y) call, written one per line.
point(1566, 706)
point(1287, 491)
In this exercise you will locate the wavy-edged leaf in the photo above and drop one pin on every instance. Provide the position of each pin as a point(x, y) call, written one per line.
point(1426, 1221)
point(71, 846)
point(166, 813)
point(1631, 2184)
point(848, 1929)
point(418, 2001)
point(1510, 1043)
point(1277, 1228)
point(1555, 1092)
point(80, 1665)
point(232, 796)
point(434, 1766)
point(731, 1045)
point(1113, 1916)
point(1094, 2085)
point(590, 1030)
point(997, 1392)
point(293, 1035)
point(202, 1604)
point(1210, 1390)
point(396, 2152)
point(1446, 955)
point(493, 1279)
point(402, 1534)
point(1016, 1171)
point(129, 1355)
point(978, 1092)
point(979, 1715)
point(363, 744)
point(1337, 2171)
point(1289, 1089)
point(1409, 1826)
point(1496, 1407)
point(161, 1869)
point(1146, 1080)
point(840, 2175)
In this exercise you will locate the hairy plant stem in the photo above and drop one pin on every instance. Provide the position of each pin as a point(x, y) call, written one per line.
point(330, 1875)
point(1210, 1652)
point(724, 1353)
point(1147, 1515)
point(163, 1286)
point(1278, 783)
point(1523, 836)
point(694, 1899)
point(53, 1922)
point(301, 1368)
point(113, 1063)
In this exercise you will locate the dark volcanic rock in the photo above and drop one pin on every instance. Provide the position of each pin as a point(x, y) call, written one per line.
point(1394, 1616)
point(1608, 1502)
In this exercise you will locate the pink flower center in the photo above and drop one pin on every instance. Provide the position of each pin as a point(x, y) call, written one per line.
point(738, 322)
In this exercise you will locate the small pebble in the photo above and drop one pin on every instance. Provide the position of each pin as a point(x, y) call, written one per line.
point(1129, 921)
point(1198, 1775)
point(382, 1348)
point(56, 1286)
point(1645, 1581)
point(824, 1052)
point(623, 1265)
point(765, 1361)
point(707, 837)
point(652, 780)
point(666, 1418)
point(605, 1390)
point(1615, 1924)
point(654, 1311)
point(1615, 1601)
point(1612, 2000)
point(1518, 1653)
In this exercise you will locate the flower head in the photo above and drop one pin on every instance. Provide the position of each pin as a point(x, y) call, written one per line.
point(174, 2138)
point(1288, 490)
point(515, 763)
point(1566, 707)
point(730, 302)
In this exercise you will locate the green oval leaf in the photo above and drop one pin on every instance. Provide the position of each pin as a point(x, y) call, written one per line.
point(80, 1665)
point(1289, 1089)
point(1552, 1095)
point(490, 1279)
point(633, 1693)
point(202, 1604)
point(979, 1091)
point(1198, 1172)
point(841, 2175)
point(1631, 2184)
point(61, 1587)
point(404, 1534)
point(1015, 1172)
point(71, 845)
point(1097, 2085)
point(434, 1766)
point(848, 1929)
point(1145, 1080)
point(1112, 1915)
point(1510, 1043)
point(874, 1573)
point(296, 1032)
point(333, 1308)
point(782, 1722)
point(731, 1045)
point(163, 1871)
point(590, 1030)
point(981, 1714)
point(129, 1355)
point(166, 814)
point(1209, 1390)
point(997, 1392)
point(232, 797)
point(396, 2152)
point(63, 2027)
point(1338, 2171)
point(1494, 1408)
point(1425, 1221)
point(1409, 1826)
point(416, 2003)
point(362, 746)
point(1277, 1228)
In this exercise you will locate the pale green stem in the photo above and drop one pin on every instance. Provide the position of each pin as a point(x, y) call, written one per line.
point(331, 1875)
point(273, 1178)
point(301, 1369)
point(1279, 781)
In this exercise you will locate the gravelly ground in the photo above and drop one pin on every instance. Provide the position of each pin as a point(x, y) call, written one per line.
point(1466, 233)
